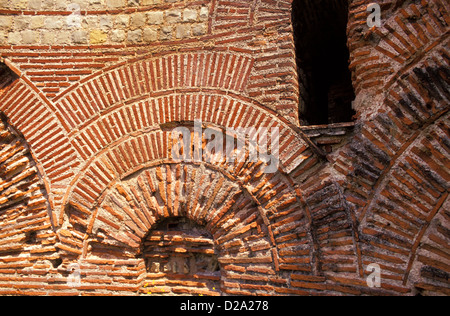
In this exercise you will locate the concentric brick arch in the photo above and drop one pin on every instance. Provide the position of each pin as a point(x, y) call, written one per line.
point(134, 152)
point(272, 192)
point(397, 165)
point(172, 190)
point(152, 75)
point(261, 223)
point(420, 172)
point(210, 107)
point(31, 113)
point(412, 164)
point(126, 132)
point(99, 111)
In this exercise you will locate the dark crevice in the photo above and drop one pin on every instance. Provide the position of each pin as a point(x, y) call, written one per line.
point(326, 91)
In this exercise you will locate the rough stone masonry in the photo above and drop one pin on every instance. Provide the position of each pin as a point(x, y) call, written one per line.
point(93, 203)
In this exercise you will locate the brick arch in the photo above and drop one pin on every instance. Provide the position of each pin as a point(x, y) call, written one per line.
point(31, 113)
point(272, 192)
point(66, 133)
point(421, 173)
point(71, 129)
point(214, 107)
point(272, 231)
point(25, 214)
point(152, 75)
point(428, 265)
point(382, 55)
point(216, 72)
point(130, 153)
point(154, 201)
point(150, 114)
point(397, 163)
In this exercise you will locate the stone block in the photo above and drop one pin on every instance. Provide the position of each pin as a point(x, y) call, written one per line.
point(36, 22)
point(199, 29)
point(150, 2)
point(97, 37)
point(105, 23)
point(113, 4)
point(137, 20)
point(14, 38)
point(155, 267)
point(204, 13)
point(53, 23)
point(35, 4)
point(80, 37)
point(3, 38)
point(4, 3)
point(63, 38)
point(183, 31)
point(173, 16)
point(21, 23)
point(190, 15)
point(18, 4)
point(121, 21)
point(150, 34)
point(89, 22)
point(133, 3)
point(118, 36)
point(6, 22)
point(155, 17)
point(30, 37)
point(166, 33)
point(47, 37)
point(135, 36)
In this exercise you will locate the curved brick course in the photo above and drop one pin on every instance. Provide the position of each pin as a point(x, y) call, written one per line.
point(92, 201)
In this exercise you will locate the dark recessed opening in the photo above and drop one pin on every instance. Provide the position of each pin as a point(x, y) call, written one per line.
point(326, 91)
point(30, 238)
point(56, 262)
point(7, 76)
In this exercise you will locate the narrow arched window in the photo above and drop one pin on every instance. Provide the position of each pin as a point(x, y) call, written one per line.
point(326, 91)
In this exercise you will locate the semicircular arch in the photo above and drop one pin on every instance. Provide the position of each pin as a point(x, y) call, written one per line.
point(274, 234)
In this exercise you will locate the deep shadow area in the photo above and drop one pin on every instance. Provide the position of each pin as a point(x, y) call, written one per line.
point(326, 91)
point(7, 76)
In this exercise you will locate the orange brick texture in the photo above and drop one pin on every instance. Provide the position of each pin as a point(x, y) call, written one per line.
point(92, 201)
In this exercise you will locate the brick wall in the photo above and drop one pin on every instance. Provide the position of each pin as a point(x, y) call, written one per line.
point(92, 201)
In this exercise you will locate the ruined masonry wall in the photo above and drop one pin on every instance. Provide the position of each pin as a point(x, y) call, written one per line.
point(92, 201)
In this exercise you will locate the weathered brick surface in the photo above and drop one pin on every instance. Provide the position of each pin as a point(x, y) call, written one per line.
point(92, 201)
